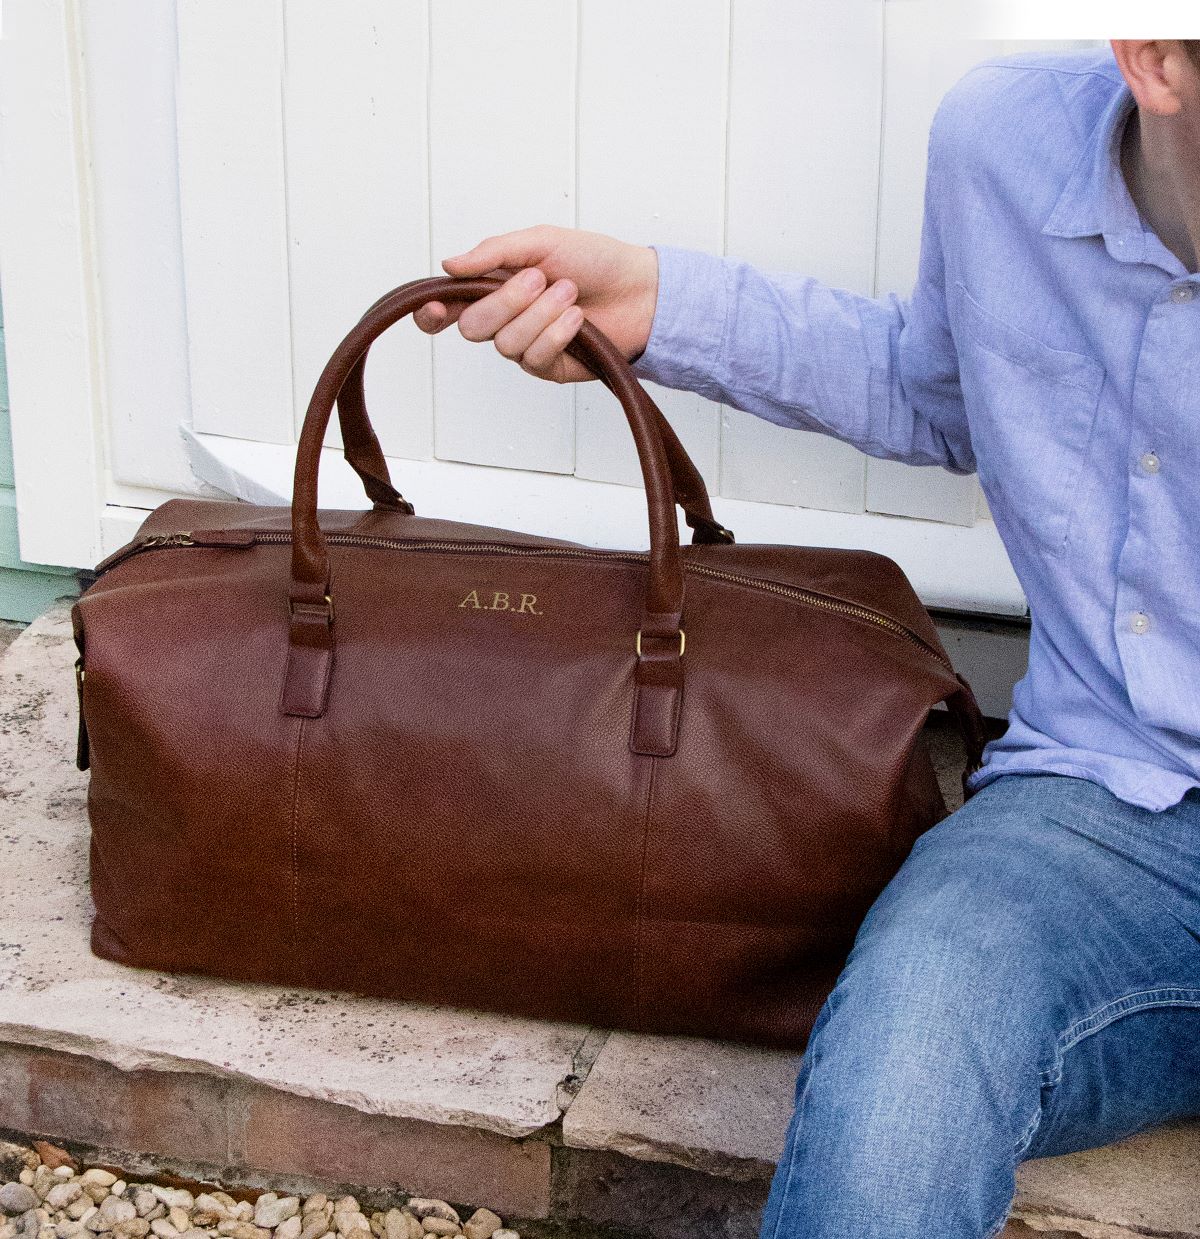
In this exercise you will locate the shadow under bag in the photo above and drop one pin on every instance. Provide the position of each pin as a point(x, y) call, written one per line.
point(420, 759)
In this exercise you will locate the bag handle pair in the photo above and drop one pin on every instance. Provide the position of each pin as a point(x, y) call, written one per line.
point(658, 642)
point(365, 456)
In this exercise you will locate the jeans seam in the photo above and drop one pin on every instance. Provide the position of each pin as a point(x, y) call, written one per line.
point(811, 1054)
point(1026, 1138)
point(787, 1182)
point(1130, 1004)
point(1093, 1023)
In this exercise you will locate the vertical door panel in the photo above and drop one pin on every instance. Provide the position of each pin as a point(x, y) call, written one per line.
point(502, 132)
point(358, 198)
point(651, 169)
point(51, 345)
point(233, 216)
point(129, 85)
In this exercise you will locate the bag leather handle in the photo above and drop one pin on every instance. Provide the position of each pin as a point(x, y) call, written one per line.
point(658, 669)
point(365, 456)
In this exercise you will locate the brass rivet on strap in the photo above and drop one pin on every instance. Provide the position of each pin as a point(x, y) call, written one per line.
point(637, 645)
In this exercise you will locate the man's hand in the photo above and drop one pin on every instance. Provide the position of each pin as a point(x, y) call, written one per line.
point(553, 277)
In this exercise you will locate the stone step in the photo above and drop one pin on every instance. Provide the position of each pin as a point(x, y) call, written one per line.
point(561, 1127)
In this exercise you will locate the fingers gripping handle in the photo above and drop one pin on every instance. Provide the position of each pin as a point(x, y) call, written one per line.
point(658, 672)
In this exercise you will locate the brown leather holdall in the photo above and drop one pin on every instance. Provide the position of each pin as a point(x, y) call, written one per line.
point(407, 757)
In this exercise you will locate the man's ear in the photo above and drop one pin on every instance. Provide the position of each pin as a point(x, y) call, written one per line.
point(1154, 70)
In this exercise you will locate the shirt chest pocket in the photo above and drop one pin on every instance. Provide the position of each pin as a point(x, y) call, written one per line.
point(1031, 410)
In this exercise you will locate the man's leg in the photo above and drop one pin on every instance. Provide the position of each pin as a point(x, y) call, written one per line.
point(1028, 984)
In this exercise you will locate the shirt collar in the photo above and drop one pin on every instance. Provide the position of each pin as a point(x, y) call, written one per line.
point(1096, 200)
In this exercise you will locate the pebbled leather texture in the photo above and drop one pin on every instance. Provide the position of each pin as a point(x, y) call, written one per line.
point(420, 759)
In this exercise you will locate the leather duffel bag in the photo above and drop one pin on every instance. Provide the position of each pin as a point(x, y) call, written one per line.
point(408, 757)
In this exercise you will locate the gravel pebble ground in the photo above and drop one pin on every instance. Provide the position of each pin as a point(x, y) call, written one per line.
point(54, 1197)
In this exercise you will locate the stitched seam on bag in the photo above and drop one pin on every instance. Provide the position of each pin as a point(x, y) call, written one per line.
point(641, 899)
point(295, 857)
point(634, 742)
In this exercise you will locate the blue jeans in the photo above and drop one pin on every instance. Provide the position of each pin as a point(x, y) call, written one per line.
point(1027, 985)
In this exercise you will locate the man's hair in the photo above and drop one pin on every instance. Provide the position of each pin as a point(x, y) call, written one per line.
point(1192, 47)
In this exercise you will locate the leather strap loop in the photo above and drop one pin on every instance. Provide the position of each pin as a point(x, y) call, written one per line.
point(361, 446)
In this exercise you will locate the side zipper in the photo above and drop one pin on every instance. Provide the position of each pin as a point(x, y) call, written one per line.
point(234, 538)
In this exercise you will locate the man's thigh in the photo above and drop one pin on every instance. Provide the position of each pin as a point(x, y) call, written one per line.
point(1056, 929)
point(1027, 984)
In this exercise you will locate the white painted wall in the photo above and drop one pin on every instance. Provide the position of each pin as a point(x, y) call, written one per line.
point(200, 196)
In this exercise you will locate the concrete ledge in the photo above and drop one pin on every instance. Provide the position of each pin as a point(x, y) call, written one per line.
point(553, 1124)
point(719, 1108)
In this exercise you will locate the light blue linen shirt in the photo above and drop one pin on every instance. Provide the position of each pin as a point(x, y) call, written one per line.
point(1052, 344)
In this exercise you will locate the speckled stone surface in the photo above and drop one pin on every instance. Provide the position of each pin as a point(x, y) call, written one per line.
point(706, 1105)
point(1146, 1185)
point(409, 1061)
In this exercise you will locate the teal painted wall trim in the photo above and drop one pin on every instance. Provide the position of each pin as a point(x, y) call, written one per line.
point(26, 590)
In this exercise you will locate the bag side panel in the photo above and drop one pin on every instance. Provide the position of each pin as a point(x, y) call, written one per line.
point(192, 767)
point(797, 788)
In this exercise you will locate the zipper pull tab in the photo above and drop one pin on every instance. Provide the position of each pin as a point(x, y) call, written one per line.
point(184, 537)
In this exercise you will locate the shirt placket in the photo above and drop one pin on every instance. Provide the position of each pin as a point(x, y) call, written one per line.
point(1146, 607)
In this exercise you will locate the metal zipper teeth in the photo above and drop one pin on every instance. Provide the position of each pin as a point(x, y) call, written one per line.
point(808, 597)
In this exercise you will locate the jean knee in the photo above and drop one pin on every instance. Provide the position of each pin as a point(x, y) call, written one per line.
point(940, 999)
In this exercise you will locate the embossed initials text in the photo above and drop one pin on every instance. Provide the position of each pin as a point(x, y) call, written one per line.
point(501, 601)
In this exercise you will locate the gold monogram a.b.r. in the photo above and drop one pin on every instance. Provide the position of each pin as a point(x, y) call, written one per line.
point(498, 600)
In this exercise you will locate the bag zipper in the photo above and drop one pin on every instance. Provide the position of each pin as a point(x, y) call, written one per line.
point(246, 538)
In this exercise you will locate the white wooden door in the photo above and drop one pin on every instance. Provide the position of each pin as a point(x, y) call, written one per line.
point(201, 196)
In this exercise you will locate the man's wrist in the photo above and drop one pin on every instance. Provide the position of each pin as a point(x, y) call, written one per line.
point(645, 299)
point(688, 322)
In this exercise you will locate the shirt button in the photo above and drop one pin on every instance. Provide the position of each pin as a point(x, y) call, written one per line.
point(1183, 292)
point(1150, 463)
point(1139, 622)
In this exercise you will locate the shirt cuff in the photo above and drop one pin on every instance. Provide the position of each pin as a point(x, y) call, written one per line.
point(689, 319)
